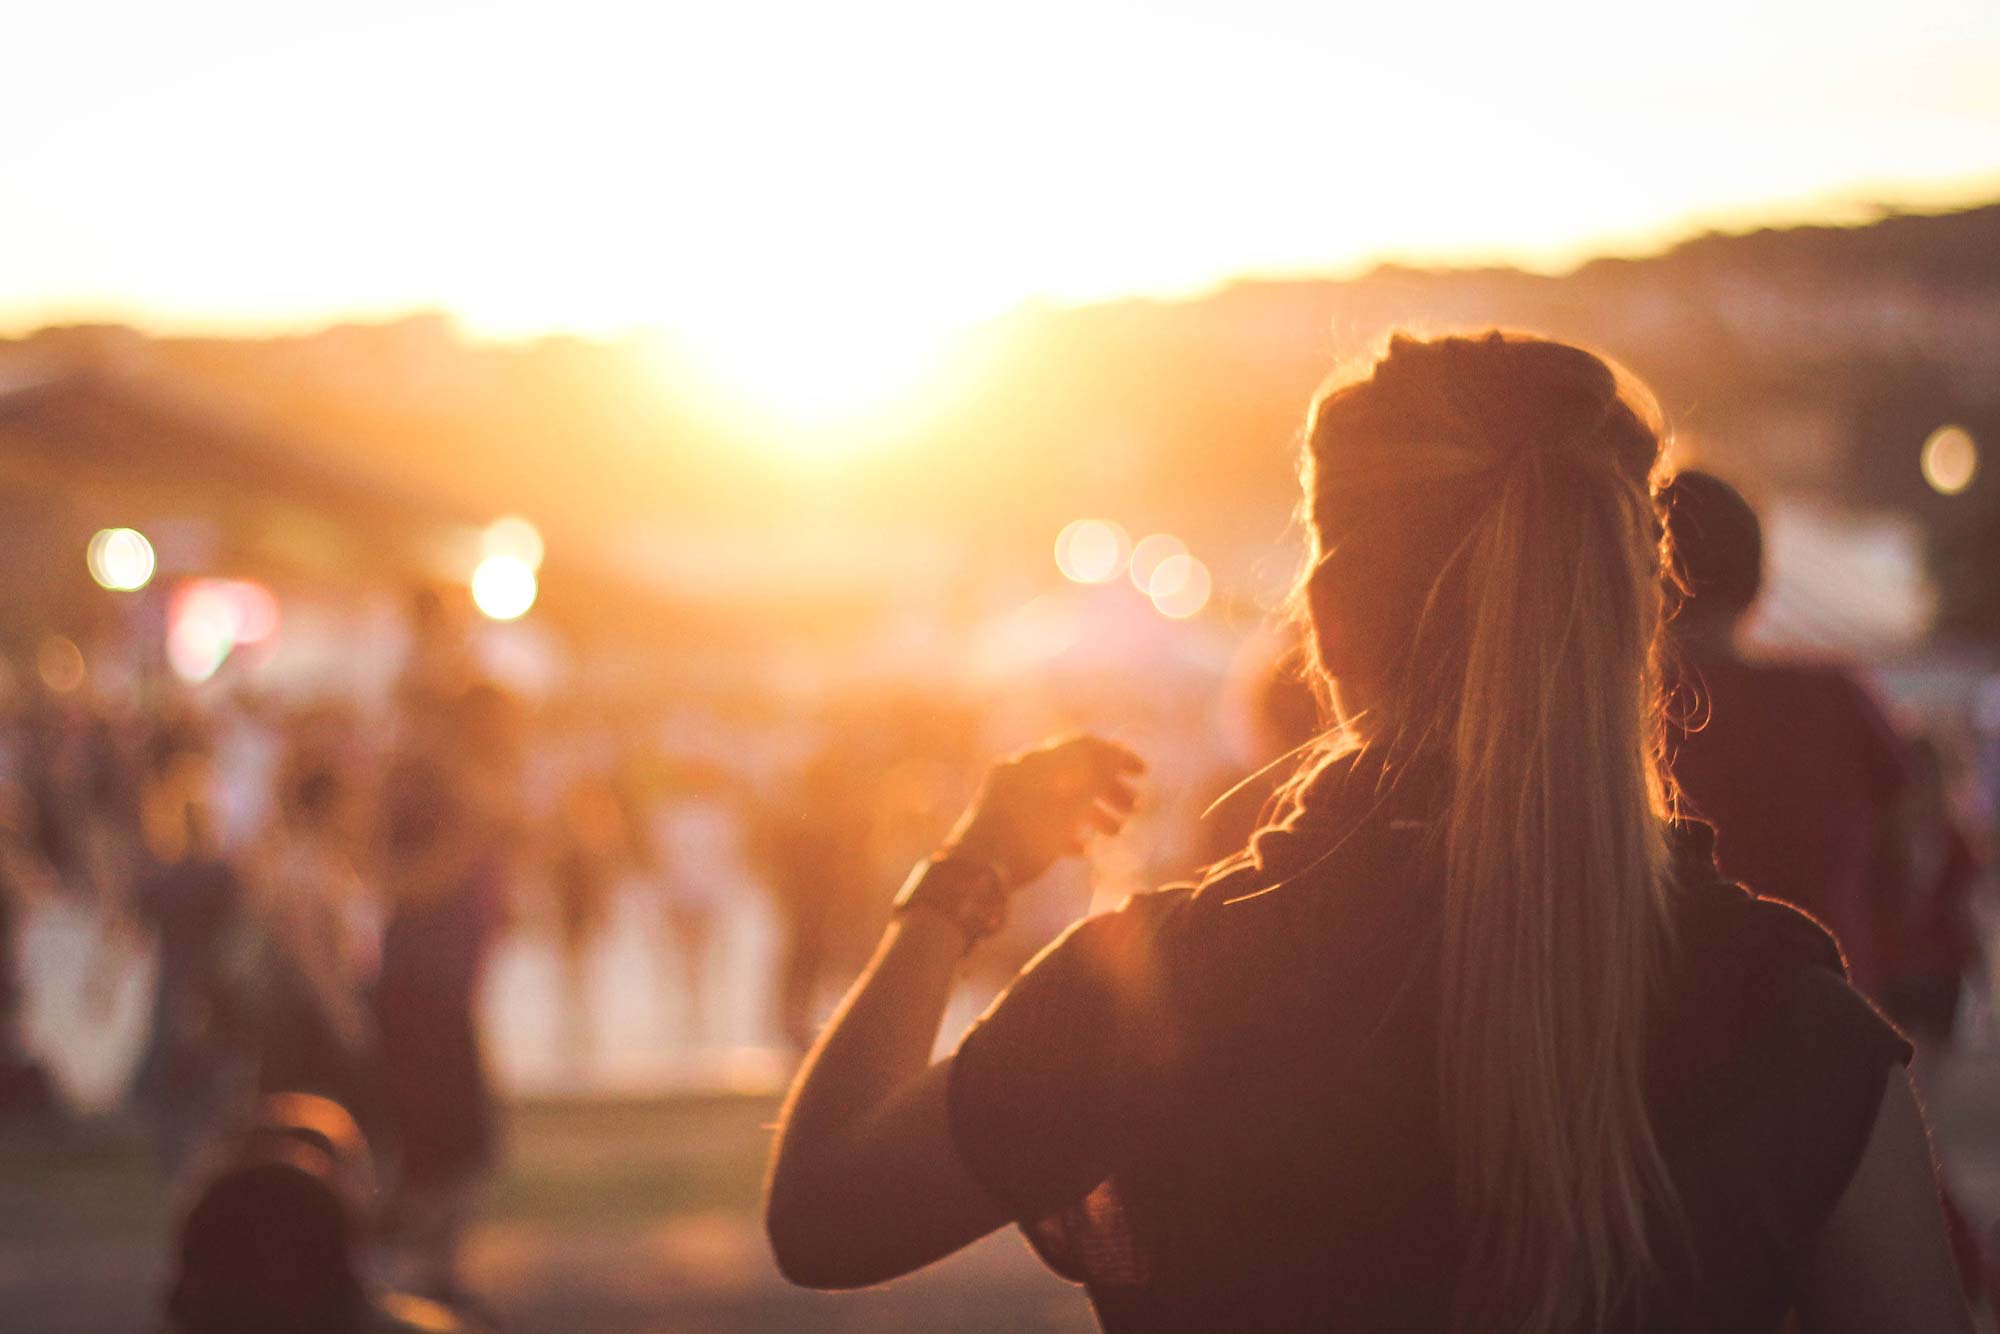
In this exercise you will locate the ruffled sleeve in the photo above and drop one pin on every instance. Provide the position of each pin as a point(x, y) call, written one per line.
point(1825, 1089)
point(1819, 1056)
point(1045, 1086)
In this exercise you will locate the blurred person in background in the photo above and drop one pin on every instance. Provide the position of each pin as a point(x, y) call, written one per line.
point(1933, 942)
point(698, 859)
point(588, 851)
point(1470, 1037)
point(439, 666)
point(275, 1239)
point(450, 825)
point(83, 770)
point(197, 1066)
point(247, 746)
point(322, 948)
point(815, 839)
point(1794, 764)
point(25, 1088)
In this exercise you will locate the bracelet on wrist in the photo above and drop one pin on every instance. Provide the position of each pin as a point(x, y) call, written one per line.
point(971, 893)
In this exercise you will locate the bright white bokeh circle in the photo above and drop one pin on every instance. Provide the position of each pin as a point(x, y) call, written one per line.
point(503, 588)
point(120, 559)
point(1092, 551)
point(1180, 586)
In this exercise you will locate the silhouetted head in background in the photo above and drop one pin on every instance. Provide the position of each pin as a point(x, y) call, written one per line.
point(272, 1241)
point(1718, 553)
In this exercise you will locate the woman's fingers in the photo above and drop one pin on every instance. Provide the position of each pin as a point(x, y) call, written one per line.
point(1094, 752)
point(1105, 821)
point(1050, 800)
point(1101, 768)
point(1119, 796)
point(1110, 758)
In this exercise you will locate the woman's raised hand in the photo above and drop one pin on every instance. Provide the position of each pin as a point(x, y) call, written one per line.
point(1042, 804)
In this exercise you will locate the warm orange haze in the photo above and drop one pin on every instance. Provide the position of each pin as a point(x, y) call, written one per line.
point(829, 191)
point(520, 525)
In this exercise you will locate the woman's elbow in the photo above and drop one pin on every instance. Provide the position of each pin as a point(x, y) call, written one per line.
point(806, 1245)
point(799, 1259)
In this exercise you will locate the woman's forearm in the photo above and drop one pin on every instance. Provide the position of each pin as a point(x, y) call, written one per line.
point(862, 1185)
point(878, 1040)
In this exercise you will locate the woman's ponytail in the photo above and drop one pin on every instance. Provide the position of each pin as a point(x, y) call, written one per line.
point(1555, 866)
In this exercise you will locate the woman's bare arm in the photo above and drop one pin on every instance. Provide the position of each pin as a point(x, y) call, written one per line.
point(1883, 1262)
point(866, 1183)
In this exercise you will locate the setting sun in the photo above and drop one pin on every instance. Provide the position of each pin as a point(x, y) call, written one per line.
point(816, 195)
point(812, 377)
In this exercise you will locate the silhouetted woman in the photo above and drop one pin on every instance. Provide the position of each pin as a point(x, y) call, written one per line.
point(1472, 1037)
point(450, 830)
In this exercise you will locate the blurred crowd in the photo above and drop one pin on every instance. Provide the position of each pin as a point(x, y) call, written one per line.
point(320, 886)
point(317, 888)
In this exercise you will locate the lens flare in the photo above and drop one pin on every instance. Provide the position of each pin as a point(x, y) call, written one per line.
point(1950, 460)
point(209, 619)
point(503, 588)
point(1179, 587)
point(120, 559)
point(1148, 554)
point(1092, 551)
point(200, 636)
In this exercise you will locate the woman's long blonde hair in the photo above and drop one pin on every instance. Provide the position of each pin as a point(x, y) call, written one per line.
point(1485, 563)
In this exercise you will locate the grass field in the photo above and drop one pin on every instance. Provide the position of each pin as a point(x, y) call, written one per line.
point(625, 1217)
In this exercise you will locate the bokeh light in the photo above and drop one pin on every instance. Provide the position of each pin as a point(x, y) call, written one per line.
point(198, 638)
point(1180, 586)
point(120, 559)
point(208, 619)
point(503, 588)
point(515, 537)
point(1092, 551)
point(1147, 555)
point(1950, 460)
point(59, 662)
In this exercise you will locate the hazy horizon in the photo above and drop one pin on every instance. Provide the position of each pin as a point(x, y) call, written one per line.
point(1852, 208)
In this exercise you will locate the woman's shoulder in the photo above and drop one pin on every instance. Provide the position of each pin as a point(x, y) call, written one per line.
point(1765, 1056)
point(1735, 949)
point(1120, 943)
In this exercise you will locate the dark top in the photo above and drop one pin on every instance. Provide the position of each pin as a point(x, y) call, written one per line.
point(437, 1095)
point(193, 908)
point(436, 1091)
point(1800, 773)
point(1218, 1107)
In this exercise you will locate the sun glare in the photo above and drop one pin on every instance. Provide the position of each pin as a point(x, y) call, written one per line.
point(812, 384)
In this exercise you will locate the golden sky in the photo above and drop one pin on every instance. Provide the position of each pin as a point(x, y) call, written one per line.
point(772, 179)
